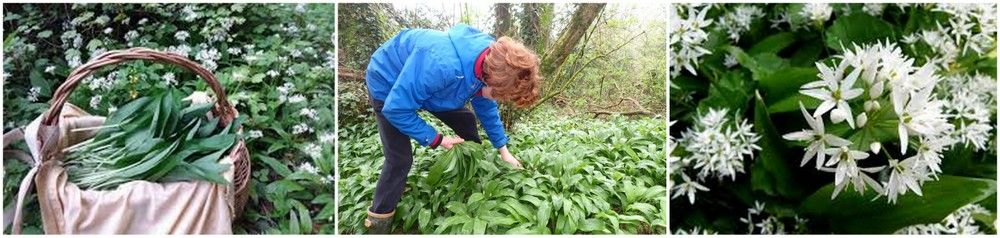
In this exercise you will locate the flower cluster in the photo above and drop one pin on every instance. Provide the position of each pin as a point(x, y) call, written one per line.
point(970, 100)
point(873, 75)
point(716, 149)
point(971, 28)
point(686, 37)
point(694, 231)
point(738, 21)
point(766, 223)
point(960, 222)
point(817, 12)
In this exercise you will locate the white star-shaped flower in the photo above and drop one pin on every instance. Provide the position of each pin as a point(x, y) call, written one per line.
point(817, 138)
point(834, 89)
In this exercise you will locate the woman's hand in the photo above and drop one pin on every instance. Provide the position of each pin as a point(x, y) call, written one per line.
point(509, 158)
point(449, 141)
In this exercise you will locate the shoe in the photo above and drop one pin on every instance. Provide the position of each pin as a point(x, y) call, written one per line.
point(379, 223)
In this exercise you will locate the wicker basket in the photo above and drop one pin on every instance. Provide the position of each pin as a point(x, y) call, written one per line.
point(223, 109)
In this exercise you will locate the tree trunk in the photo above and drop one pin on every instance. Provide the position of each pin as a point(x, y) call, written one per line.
point(503, 25)
point(568, 39)
point(536, 17)
point(363, 35)
point(555, 56)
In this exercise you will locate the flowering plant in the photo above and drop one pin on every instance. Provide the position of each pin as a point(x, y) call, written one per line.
point(863, 118)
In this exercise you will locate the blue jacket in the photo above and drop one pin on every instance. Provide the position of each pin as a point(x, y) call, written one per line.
point(432, 70)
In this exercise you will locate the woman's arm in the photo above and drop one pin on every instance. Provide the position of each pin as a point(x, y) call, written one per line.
point(506, 156)
point(489, 116)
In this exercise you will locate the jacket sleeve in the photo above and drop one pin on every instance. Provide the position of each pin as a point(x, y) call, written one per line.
point(489, 116)
point(417, 80)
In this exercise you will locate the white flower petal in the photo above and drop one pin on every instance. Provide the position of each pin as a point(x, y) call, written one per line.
point(799, 135)
point(823, 108)
point(902, 138)
point(875, 147)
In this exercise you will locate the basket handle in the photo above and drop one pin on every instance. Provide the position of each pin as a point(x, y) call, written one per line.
point(223, 109)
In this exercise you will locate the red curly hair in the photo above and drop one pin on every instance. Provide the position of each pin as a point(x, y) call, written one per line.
point(511, 69)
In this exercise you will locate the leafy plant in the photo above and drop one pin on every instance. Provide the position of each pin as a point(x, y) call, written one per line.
point(578, 177)
point(153, 138)
point(859, 109)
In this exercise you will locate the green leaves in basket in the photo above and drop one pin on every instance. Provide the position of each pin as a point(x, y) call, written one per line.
point(155, 138)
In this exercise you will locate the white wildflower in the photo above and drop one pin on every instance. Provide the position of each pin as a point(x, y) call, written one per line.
point(131, 35)
point(817, 12)
point(313, 150)
point(183, 50)
point(301, 128)
point(694, 231)
point(961, 221)
point(730, 61)
point(297, 98)
point(208, 58)
point(718, 148)
point(874, 9)
point(817, 137)
point(688, 187)
point(308, 168)
point(905, 176)
point(95, 101)
point(327, 138)
point(310, 113)
point(188, 13)
point(182, 35)
point(170, 78)
point(834, 89)
point(255, 134)
point(738, 21)
point(33, 94)
point(686, 38)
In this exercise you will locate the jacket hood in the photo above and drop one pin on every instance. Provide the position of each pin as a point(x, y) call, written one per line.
point(469, 43)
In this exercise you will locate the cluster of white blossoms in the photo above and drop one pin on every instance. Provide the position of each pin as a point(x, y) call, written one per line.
point(33, 93)
point(694, 231)
point(737, 21)
point(716, 148)
point(873, 76)
point(312, 150)
point(971, 28)
point(285, 93)
point(170, 78)
point(874, 9)
point(308, 168)
point(818, 13)
point(309, 113)
point(686, 37)
point(970, 100)
point(255, 134)
point(766, 223)
point(960, 222)
point(208, 57)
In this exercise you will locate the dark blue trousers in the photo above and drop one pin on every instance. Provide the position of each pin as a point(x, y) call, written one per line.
point(399, 153)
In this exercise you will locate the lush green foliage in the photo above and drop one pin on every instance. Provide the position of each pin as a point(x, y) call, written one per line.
point(274, 60)
point(580, 176)
point(760, 74)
